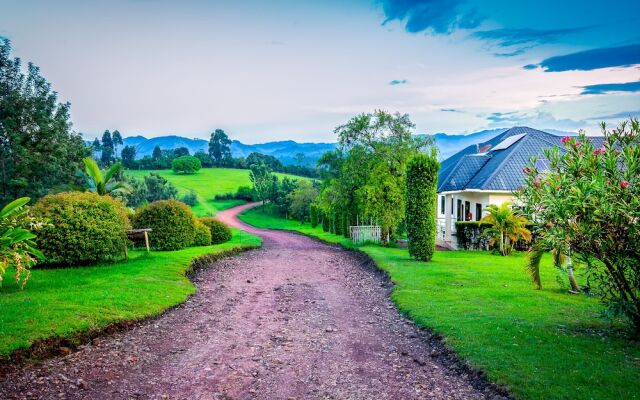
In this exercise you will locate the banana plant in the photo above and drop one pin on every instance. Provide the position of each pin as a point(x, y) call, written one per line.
point(102, 183)
point(17, 246)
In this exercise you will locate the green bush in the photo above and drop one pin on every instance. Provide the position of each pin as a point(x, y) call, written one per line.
point(313, 215)
point(203, 235)
point(326, 223)
point(191, 198)
point(84, 228)
point(422, 180)
point(172, 222)
point(220, 232)
point(186, 165)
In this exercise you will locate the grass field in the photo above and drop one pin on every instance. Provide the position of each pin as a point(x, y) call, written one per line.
point(541, 344)
point(68, 301)
point(207, 183)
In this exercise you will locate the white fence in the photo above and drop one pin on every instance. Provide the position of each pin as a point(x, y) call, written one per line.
point(365, 234)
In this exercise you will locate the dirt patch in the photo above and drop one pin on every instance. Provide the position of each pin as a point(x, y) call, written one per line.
point(296, 319)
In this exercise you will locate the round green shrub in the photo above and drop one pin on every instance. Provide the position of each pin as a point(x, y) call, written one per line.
point(220, 232)
point(203, 235)
point(173, 225)
point(84, 228)
point(422, 180)
point(186, 165)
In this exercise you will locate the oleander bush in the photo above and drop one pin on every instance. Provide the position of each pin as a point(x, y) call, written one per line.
point(220, 232)
point(172, 222)
point(203, 235)
point(83, 228)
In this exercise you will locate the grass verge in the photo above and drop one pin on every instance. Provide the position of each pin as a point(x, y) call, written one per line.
point(70, 302)
point(540, 344)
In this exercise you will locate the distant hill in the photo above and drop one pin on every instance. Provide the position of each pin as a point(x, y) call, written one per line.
point(286, 150)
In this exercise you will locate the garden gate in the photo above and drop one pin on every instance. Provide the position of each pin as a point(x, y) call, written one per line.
point(365, 234)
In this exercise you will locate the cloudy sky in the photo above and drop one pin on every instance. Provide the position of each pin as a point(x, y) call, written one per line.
point(271, 70)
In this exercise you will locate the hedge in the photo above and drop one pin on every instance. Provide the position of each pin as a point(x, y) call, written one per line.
point(84, 228)
point(422, 180)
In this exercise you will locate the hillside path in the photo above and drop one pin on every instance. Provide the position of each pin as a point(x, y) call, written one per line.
point(296, 319)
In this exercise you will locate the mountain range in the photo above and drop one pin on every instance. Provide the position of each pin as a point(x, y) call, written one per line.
point(287, 150)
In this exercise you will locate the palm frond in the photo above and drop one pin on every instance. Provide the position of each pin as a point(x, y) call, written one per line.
point(533, 266)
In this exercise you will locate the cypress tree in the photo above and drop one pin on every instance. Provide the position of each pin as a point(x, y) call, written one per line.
point(422, 180)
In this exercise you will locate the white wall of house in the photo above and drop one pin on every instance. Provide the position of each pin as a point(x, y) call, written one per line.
point(459, 205)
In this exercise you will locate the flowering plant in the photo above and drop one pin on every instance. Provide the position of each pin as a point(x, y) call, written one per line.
point(587, 204)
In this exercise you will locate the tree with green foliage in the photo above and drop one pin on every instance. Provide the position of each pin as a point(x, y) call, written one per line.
point(301, 200)
point(156, 155)
point(180, 151)
point(108, 154)
point(38, 149)
point(422, 197)
point(262, 180)
point(104, 182)
point(219, 147)
point(186, 165)
point(128, 156)
point(116, 138)
point(365, 176)
point(507, 226)
point(587, 205)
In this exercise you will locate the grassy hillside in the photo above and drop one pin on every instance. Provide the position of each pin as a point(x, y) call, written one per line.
point(542, 344)
point(208, 182)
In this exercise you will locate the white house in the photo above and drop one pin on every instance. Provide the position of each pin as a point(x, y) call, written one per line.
point(487, 173)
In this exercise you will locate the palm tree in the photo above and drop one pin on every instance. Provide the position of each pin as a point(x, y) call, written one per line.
point(506, 226)
point(535, 256)
point(100, 182)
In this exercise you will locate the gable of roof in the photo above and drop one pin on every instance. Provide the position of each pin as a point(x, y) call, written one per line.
point(498, 169)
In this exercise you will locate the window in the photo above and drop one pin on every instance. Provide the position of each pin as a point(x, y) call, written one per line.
point(478, 211)
point(442, 204)
point(467, 211)
point(452, 206)
point(460, 216)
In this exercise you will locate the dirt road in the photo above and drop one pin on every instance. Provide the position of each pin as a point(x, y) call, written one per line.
point(297, 319)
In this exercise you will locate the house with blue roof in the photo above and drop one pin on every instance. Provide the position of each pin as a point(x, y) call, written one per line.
point(487, 173)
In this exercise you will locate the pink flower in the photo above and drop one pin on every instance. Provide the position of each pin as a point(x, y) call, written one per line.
point(599, 151)
point(537, 182)
point(577, 144)
point(565, 139)
point(624, 184)
point(526, 170)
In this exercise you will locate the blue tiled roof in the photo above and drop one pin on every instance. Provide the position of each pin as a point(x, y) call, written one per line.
point(500, 170)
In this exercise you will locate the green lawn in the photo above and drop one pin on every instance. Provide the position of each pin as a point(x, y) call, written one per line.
point(65, 302)
point(541, 344)
point(207, 183)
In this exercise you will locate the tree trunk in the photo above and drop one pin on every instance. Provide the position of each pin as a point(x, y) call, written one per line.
point(572, 279)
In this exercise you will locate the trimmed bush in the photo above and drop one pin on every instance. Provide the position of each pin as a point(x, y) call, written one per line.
point(220, 232)
point(186, 165)
point(172, 222)
point(190, 199)
point(313, 215)
point(326, 223)
point(85, 228)
point(203, 235)
point(422, 180)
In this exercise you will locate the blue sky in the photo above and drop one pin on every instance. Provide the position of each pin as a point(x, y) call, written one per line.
point(295, 70)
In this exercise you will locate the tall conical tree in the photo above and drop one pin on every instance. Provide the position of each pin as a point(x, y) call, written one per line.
point(422, 180)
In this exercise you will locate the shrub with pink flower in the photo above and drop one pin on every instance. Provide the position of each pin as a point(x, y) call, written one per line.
point(589, 207)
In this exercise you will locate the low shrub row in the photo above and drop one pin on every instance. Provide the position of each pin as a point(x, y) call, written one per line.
point(470, 236)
